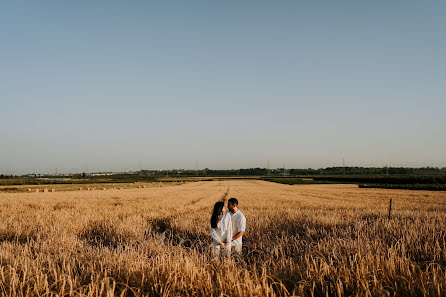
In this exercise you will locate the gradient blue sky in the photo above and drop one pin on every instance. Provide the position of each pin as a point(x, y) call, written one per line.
point(124, 85)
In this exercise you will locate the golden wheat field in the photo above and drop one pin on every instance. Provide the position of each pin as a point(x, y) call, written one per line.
point(305, 240)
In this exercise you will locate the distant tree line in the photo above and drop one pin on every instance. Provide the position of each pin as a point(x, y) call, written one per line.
point(4, 176)
point(149, 174)
point(297, 172)
point(401, 179)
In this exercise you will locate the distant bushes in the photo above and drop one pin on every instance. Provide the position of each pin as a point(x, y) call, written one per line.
point(410, 182)
point(427, 187)
point(387, 179)
point(297, 181)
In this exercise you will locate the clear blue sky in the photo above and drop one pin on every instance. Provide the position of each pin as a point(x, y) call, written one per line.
point(124, 85)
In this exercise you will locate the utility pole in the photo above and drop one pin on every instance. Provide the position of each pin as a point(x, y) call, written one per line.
point(390, 208)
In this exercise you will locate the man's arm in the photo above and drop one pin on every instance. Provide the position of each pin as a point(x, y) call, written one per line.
point(238, 235)
point(242, 226)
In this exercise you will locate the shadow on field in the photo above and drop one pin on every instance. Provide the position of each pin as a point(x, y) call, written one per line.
point(22, 237)
point(104, 233)
point(295, 236)
point(299, 232)
point(179, 237)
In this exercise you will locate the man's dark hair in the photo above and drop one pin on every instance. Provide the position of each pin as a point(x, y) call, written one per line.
point(233, 201)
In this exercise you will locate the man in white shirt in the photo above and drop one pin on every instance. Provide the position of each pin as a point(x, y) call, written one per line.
point(238, 226)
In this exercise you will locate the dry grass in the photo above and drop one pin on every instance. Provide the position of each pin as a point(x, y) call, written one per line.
point(317, 240)
point(84, 187)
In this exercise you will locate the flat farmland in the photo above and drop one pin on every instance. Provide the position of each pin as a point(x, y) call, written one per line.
point(305, 240)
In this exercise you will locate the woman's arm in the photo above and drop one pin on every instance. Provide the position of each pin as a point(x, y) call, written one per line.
point(214, 235)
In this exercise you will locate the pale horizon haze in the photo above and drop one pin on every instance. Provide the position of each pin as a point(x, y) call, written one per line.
point(126, 85)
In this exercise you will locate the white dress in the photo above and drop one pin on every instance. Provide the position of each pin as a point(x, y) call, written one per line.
point(223, 233)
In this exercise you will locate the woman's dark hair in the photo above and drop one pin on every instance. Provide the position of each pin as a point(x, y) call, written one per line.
point(218, 207)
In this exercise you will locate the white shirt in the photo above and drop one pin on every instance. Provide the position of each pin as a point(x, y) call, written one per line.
point(238, 225)
point(223, 232)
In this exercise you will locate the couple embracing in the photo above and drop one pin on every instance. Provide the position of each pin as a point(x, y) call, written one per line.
point(227, 229)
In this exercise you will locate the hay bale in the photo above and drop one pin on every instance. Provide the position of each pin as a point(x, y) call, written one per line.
point(45, 190)
point(37, 190)
point(103, 188)
point(53, 190)
point(80, 189)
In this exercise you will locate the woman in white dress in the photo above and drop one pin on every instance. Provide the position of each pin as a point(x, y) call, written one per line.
point(221, 230)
